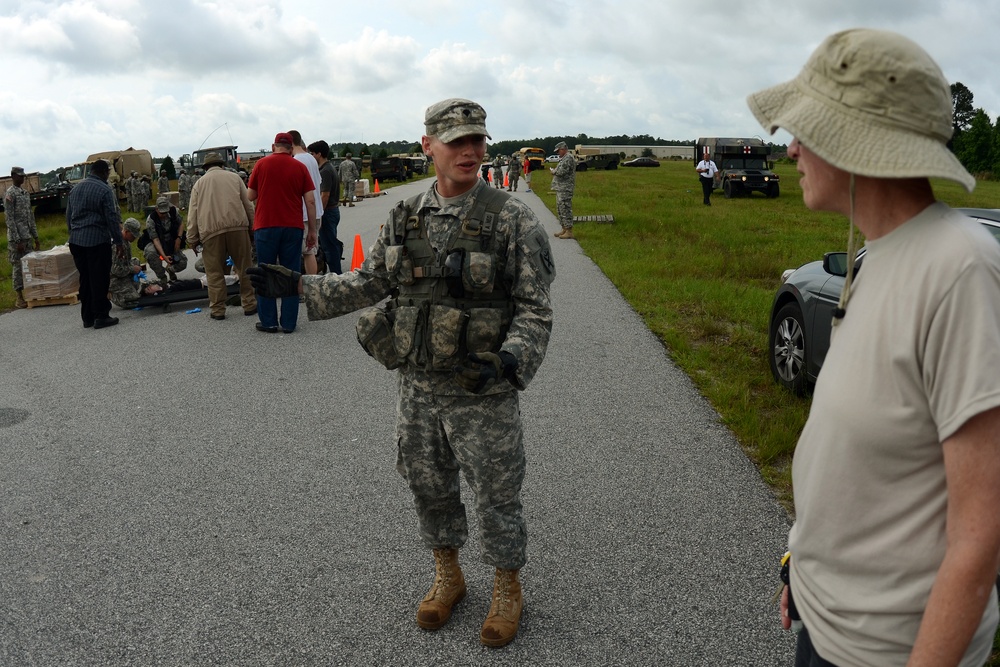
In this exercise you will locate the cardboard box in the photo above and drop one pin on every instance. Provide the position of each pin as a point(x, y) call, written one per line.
point(50, 274)
point(361, 188)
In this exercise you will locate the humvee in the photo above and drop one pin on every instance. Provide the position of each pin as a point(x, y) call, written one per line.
point(743, 165)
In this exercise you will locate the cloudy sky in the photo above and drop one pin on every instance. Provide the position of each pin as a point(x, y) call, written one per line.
point(83, 76)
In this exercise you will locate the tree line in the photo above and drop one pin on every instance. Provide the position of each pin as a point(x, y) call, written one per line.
point(975, 140)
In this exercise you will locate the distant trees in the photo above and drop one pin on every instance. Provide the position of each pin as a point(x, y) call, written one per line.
point(168, 165)
point(975, 139)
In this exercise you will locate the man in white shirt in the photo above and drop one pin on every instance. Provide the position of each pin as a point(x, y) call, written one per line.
point(706, 174)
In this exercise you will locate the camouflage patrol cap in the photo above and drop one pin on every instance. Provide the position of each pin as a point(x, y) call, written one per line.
point(162, 204)
point(131, 225)
point(17, 171)
point(455, 118)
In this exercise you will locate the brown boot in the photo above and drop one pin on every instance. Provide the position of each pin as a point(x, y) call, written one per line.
point(447, 591)
point(501, 624)
point(560, 233)
point(567, 233)
point(20, 303)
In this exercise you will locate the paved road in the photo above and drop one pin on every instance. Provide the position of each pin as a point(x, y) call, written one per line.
point(180, 491)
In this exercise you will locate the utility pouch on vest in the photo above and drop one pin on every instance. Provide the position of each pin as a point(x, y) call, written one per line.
point(375, 333)
point(398, 264)
point(453, 273)
point(478, 272)
point(405, 332)
point(483, 331)
point(446, 325)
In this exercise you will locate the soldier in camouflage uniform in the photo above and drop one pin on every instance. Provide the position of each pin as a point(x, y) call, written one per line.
point(564, 182)
point(513, 172)
point(349, 177)
point(130, 185)
point(128, 281)
point(184, 186)
point(468, 328)
point(497, 172)
point(22, 235)
point(145, 192)
point(163, 184)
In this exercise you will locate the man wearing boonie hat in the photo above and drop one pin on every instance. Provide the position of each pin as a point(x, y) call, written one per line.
point(165, 231)
point(467, 268)
point(22, 235)
point(220, 220)
point(897, 499)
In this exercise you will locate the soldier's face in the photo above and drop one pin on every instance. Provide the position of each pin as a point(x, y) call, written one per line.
point(17, 179)
point(457, 162)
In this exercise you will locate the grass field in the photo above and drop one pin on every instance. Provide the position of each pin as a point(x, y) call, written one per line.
point(701, 277)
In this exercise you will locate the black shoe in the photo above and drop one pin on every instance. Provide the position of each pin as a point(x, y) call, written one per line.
point(287, 330)
point(262, 328)
point(248, 313)
point(102, 322)
point(218, 317)
point(87, 325)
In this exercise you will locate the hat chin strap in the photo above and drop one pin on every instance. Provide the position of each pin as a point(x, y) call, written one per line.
point(852, 252)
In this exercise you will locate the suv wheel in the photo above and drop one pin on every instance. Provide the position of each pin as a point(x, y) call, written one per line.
point(729, 190)
point(788, 349)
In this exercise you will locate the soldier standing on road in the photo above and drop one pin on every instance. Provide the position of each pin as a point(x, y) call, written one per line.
point(184, 186)
point(513, 172)
point(349, 177)
point(468, 269)
point(564, 182)
point(22, 235)
point(497, 172)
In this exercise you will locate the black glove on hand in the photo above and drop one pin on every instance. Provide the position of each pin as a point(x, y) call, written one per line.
point(274, 281)
point(484, 370)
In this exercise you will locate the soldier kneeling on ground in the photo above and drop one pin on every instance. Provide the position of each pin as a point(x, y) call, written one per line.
point(128, 281)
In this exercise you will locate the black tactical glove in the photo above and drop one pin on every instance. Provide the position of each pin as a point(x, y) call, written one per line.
point(484, 370)
point(274, 281)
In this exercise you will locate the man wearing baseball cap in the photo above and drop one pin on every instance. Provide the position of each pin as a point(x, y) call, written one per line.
point(897, 471)
point(280, 184)
point(467, 268)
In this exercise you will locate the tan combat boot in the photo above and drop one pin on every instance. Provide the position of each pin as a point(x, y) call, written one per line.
point(447, 591)
point(20, 303)
point(566, 233)
point(500, 626)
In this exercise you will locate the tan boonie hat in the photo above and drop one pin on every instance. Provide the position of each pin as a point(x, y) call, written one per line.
point(455, 118)
point(212, 159)
point(872, 103)
point(131, 225)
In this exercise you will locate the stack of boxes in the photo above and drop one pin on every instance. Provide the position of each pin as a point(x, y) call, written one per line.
point(50, 274)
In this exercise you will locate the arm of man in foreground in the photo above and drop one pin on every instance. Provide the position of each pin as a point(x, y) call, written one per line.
point(968, 573)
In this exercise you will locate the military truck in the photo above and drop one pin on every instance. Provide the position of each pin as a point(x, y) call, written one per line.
point(44, 199)
point(386, 168)
point(228, 154)
point(596, 160)
point(743, 165)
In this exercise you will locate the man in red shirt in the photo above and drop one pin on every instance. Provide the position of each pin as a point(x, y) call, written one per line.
point(279, 184)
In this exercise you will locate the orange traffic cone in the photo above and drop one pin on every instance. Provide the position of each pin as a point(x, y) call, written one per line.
point(376, 187)
point(358, 257)
point(506, 179)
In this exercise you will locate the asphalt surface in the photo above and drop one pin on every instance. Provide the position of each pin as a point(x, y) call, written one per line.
point(181, 491)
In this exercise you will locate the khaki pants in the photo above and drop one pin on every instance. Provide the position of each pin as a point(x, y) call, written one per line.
point(235, 244)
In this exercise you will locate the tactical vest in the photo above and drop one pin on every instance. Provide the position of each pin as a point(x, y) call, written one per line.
point(445, 305)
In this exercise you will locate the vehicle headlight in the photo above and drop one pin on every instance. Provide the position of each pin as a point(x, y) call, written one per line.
point(786, 274)
point(765, 179)
point(743, 178)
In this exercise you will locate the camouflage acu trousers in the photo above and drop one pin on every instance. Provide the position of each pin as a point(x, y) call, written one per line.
point(564, 209)
point(481, 436)
point(14, 257)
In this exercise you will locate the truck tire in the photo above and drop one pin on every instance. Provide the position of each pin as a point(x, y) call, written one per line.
point(773, 190)
point(727, 189)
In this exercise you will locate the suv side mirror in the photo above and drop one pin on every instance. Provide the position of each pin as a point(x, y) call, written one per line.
point(835, 263)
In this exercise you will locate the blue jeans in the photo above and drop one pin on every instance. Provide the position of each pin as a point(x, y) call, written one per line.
point(331, 246)
point(279, 245)
point(806, 655)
